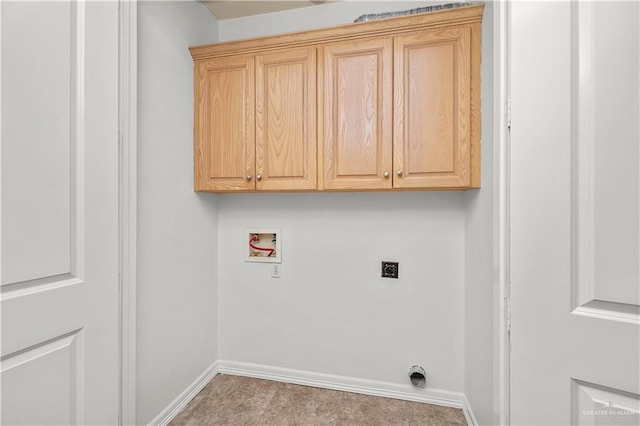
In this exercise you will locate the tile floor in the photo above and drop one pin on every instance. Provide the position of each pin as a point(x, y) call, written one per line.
point(235, 400)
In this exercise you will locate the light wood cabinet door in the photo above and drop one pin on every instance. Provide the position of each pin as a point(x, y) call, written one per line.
point(432, 113)
point(357, 115)
point(286, 120)
point(225, 124)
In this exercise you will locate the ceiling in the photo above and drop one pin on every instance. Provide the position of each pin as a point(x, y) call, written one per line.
point(235, 9)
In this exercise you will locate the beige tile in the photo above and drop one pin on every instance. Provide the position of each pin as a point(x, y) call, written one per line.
point(229, 400)
point(437, 415)
point(235, 400)
point(299, 405)
point(367, 410)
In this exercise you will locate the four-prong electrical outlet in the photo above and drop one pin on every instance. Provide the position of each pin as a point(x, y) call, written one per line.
point(390, 269)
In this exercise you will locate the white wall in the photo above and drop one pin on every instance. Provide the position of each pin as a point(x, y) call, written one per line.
point(479, 254)
point(331, 312)
point(307, 18)
point(177, 228)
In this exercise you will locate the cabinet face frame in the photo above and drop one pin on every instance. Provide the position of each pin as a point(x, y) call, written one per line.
point(356, 144)
point(286, 120)
point(224, 93)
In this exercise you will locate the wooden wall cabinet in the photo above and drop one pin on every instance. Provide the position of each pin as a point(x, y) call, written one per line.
point(432, 109)
point(255, 125)
point(286, 120)
point(224, 130)
point(357, 115)
point(382, 105)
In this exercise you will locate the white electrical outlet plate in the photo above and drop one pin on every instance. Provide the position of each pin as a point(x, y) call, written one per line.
point(276, 270)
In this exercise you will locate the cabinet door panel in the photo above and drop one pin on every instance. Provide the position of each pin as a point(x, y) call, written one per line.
point(432, 109)
point(357, 118)
point(224, 139)
point(286, 120)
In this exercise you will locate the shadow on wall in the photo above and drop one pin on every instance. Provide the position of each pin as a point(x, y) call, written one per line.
point(347, 202)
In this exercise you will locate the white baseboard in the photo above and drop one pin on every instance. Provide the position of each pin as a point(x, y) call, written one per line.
point(344, 383)
point(468, 413)
point(185, 397)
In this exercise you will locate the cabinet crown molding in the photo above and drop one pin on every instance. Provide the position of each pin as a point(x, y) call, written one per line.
point(354, 31)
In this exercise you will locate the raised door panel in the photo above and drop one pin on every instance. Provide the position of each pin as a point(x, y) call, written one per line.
point(59, 209)
point(286, 120)
point(357, 116)
point(575, 235)
point(432, 129)
point(224, 125)
point(38, 157)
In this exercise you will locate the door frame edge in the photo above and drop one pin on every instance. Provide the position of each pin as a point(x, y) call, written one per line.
point(127, 194)
point(501, 209)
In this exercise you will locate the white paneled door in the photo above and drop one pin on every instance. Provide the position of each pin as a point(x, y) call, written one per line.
point(59, 199)
point(575, 216)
